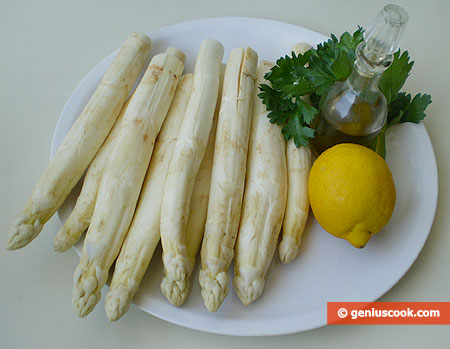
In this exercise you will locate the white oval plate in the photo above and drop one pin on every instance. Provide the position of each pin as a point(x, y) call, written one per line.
point(327, 269)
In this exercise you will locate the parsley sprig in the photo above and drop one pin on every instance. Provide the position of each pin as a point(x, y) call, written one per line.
point(330, 62)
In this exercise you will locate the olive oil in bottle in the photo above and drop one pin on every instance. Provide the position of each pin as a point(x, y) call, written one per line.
point(355, 110)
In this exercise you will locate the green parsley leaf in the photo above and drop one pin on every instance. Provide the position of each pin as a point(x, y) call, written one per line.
point(358, 37)
point(278, 117)
point(342, 66)
point(307, 111)
point(301, 88)
point(295, 129)
point(395, 76)
point(415, 112)
point(282, 73)
point(397, 107)
point(401, 109)
point(269, 96)
point(319, 76)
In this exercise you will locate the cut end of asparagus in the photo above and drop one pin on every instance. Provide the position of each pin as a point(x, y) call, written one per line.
point(176, 292)
point(87, 284)
point(63, 240)
point(173, 51)
point(117, 302)
point(288, 249)
point(22, 232)
point(214, 288)
point(143, 37)
point(249, 284)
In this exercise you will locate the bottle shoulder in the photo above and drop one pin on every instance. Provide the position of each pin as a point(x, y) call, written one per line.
point(354, 112)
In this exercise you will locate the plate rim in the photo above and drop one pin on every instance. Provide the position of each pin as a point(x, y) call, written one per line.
point(290, 329)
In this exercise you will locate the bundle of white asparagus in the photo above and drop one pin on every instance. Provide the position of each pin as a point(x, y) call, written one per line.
point(197, 213)
point(192, 161)
point(80, 217)
point(123, 177)
point(82, 141)
point(143, 235)
point(184, 165)
point(227, 182)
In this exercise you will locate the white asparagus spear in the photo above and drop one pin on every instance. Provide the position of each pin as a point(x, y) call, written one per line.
point(264, 201)
point(82, 141)
point(80, 217)
point(199, 201)
point(123, 177)
point(227, 183)
point(188, 154)
point(297, 206)
point(143, 235)
point(197, 212)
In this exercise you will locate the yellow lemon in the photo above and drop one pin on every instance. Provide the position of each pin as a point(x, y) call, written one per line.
point(352, 192)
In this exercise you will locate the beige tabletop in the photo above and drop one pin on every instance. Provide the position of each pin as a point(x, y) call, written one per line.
point(46, 49)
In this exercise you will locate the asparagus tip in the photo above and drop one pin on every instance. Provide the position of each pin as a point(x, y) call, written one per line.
point(22, 232)
point(288, 249)
point(87, 284)
point(214, 288)
point(176, 292)
point(117, 302)
point(63, 241)
point(248, 287)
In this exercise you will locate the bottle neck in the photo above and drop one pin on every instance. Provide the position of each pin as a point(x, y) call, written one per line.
point(367, 69)
point(362, 82)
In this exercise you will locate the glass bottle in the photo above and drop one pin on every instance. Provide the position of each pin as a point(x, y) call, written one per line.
point(355, 110)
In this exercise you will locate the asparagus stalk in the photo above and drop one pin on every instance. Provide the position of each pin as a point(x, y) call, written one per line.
point(264, 201)
point(197, 213)
point(143, 235)
point(187, 157)
point(80, 217)
point(297, 206)
point(82, 141)
point(227, 183)
point(123, 177)
point(199, 201)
